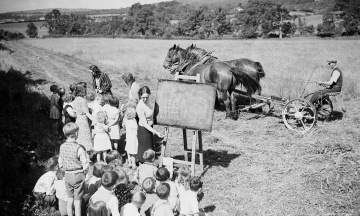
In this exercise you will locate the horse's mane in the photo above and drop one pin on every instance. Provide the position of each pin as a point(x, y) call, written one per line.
point(199, 53)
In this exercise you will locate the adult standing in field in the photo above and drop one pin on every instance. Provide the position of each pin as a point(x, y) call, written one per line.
point(134, 87)
point(145, 112)
point(101, 81)
point(331, 86)
point(82, 114)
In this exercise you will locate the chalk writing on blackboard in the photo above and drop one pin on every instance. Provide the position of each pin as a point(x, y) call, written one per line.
point(172, 109)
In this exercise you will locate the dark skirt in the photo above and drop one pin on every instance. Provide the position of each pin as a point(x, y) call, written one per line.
point(145, 140)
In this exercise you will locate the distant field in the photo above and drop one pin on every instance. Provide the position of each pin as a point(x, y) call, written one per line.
point(21, 27)
point(285, 62)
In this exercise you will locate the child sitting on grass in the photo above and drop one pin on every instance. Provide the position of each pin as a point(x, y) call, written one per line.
point(183, 179)
point(147, 169)
point(73, 160)
point(131, 209)
point(189, 204)
point(112, 155)
point(123, 189)
point(148, 186)
point(163, 176)
point(44, 188)
point(105, 194)
point(162, 206)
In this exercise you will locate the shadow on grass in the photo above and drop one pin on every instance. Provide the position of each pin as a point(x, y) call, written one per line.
point(212, 158)
point(336, 115)
point(26, 139)
point(209, 208)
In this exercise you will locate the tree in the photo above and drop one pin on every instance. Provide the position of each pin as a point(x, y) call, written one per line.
point(32, 30)
point(350, 15)
point(327, 28)
point(262, 15)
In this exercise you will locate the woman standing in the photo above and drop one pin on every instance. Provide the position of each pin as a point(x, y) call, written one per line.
point(101, 81)
point(82, 114)
point(145, 113)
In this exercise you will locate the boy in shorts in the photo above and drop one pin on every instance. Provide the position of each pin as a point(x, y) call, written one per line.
point(73, 159)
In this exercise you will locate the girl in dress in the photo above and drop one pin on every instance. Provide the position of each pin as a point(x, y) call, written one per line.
point(131, 128)
point(82, 114)
point(101, 135)
point(55, 108)
point(113, 114)
point(68, 112)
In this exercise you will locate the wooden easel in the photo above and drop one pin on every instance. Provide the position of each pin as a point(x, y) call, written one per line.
point(197, 139)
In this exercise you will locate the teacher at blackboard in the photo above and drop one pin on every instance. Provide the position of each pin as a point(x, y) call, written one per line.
point(145, 112)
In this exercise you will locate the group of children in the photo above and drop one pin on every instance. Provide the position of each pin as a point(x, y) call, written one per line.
point(107, 190)
point(106, 130)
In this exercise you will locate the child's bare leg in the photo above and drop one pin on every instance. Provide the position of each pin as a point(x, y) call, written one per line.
point(104, 155)
point(77, 205)
point(129, 159)
point(115, 145)
point(98, 157)
point(133, 161)
point(69, 206)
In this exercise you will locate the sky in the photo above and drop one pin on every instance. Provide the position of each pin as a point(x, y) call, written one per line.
point(20, 5)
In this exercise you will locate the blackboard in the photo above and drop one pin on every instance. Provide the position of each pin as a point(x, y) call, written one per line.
point(183, 104)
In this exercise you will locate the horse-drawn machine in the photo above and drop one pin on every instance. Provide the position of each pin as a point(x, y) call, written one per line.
point(298, 114)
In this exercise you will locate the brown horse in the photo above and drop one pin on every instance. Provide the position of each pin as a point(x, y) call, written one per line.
point(220, 73)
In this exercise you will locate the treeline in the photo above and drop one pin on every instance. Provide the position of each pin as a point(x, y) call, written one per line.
point(6, 35)
point(172, 19)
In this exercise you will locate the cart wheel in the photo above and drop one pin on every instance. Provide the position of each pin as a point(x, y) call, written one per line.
point(299, 115)
point(324, 109)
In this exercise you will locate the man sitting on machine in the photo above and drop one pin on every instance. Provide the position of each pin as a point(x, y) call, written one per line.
point(332, 86)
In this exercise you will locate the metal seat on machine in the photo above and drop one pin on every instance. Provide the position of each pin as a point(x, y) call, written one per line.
point(333, 93)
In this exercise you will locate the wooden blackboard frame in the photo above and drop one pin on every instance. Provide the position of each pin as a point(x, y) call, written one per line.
point(208, 129)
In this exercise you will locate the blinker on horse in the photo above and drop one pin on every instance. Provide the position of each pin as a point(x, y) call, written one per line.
point(220, 73)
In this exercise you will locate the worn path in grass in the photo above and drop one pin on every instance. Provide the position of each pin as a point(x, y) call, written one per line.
point(255, 166)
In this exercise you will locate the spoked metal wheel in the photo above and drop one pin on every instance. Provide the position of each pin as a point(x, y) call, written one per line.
point(324, 109)
point(299, 115)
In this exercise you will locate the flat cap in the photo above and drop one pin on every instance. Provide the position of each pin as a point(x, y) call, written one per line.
point(331, 61)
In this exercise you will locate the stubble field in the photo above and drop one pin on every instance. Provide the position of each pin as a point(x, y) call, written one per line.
point(254, 166)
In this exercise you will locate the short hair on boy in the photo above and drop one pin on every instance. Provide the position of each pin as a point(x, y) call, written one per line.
point(116, 163)
point(54, 88)
point(108, 168)
point(195, 183)
point(98, 208)
point(148, 185)
point(109, 179)
point(163, 191)
point(67, 98)
point(162, 174)
point(128, 77)
point(122, 176)
point(98, 170)
point(51, 164)
point(130, 113)
point(112, 155)
point(72, 87)
point(70, 129)
point(114, 101)
point(149, 155)
point(61, 91)
point(138, 198)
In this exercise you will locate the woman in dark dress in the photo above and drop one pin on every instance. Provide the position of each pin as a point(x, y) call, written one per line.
point(145, 112)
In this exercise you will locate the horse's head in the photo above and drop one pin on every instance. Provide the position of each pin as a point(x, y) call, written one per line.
point(197, 52)
point(175, 55)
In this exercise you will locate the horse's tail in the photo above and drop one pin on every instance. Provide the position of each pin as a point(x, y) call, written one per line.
point(260, 70)
point(250, 84)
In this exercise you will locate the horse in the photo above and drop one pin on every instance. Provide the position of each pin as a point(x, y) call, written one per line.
point(224, 76)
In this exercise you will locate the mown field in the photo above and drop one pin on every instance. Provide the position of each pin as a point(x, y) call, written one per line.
point(254, 166)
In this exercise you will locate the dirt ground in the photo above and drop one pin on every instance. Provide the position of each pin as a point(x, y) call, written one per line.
point(253, 166)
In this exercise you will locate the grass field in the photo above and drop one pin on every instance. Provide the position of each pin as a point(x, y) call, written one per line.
point(21, 27)
point(254, 166)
